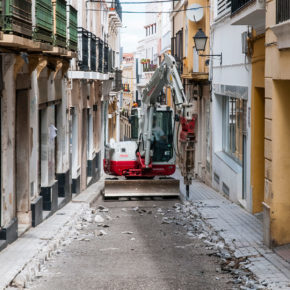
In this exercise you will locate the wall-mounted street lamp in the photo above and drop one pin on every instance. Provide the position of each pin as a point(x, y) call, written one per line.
point(200, 40)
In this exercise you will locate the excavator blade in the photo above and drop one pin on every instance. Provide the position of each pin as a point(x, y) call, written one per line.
point(141, 188)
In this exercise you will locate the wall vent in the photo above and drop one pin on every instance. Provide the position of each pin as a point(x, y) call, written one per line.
point(226, 189)
point(216, 178)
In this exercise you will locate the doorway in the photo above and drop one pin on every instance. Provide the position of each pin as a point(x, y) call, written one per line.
point(22, 158)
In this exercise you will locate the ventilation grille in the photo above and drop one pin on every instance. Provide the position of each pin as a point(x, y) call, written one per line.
point(226, 189)
point(216, 178)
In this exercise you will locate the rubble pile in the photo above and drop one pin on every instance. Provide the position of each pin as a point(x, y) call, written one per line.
point(188, 216)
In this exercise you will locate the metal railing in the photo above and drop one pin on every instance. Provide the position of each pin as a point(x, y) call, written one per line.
point(118, 81)
point(239, 4)
point(93, 50)
point(106, 58)
point(100, 47)
point(282, 10)
point(83, 43)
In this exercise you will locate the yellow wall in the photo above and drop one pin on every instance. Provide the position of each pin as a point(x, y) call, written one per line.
point(192, 30)
point(257, 124)
point(277, 133)
point(280, 198)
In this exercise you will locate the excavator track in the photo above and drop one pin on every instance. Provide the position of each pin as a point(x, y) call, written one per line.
point(121, 187)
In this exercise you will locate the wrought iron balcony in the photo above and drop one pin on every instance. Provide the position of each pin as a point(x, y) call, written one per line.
point(118, 81)
point(106, 58)
point(42, 31)
point(16, 17)
point(100, 47)
point(59, 22)
point(282, 10)
point(73, 29)
point(239, 4)
point(83, 43)
point(93, 50)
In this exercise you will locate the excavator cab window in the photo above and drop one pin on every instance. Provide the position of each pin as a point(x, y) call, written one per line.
point(162, 134)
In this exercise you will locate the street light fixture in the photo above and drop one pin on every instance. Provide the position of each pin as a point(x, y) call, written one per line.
point(200, 40)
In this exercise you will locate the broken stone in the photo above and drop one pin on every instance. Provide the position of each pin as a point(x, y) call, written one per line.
point(127, 233)
point(103, 209)
point(165, 220)
point(136, 208)
point(100, 233)
point(99, 219)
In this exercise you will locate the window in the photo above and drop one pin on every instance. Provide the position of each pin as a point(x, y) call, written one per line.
point(162, 134)
point(234, 117)
point(282, 10)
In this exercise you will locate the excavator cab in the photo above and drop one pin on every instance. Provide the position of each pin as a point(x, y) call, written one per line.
point(162, 134)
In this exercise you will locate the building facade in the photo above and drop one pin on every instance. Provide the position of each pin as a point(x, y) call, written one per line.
point(57, 71)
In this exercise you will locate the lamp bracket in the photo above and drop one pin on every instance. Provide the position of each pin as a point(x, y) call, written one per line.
point(211, 55)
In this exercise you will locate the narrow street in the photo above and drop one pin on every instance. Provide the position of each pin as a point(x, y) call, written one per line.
point(138, 246)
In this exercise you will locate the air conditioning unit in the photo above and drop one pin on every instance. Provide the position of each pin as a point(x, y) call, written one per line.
point(245, 42)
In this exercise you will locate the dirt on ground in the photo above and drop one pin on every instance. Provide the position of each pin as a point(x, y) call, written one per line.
point(133, 245)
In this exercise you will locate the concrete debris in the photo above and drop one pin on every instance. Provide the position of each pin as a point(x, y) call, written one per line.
point(132, 239)
point(109, 218)
point(136, 208)
point(124, 209)
point(188, 216)
point(127, 233)
point(99, 219)
point(102, 208)
point(165, 220)
point(99, 233)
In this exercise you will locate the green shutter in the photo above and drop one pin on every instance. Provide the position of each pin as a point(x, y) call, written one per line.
point(16, 15)
point(43, 18)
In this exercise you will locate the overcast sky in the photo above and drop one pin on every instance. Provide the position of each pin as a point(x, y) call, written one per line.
point(133, 26)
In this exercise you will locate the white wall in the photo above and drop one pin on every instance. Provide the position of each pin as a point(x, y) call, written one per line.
point(234, 71)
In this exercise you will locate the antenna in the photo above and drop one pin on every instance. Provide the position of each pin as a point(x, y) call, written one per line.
point(194, 12)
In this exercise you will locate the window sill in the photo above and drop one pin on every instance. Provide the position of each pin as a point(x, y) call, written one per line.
point(281, 30)
point(231, 163)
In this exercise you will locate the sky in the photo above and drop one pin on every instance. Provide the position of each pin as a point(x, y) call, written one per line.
point(133, 26)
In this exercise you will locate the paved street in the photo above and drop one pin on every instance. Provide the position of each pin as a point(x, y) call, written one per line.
point(140, 249)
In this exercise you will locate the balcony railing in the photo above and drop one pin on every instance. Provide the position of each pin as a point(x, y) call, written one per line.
point(59, 22)
point(16, 17)
point(93, 47)
point(106, 58)
point(100, 55)
point(282, 10)
point(73, 29)
point(83, 43)
point(239, 4)
point(118, 81)
point(110, 62)
point(42, 30)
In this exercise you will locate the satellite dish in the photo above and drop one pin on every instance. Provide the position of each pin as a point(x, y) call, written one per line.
point(194, 12)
